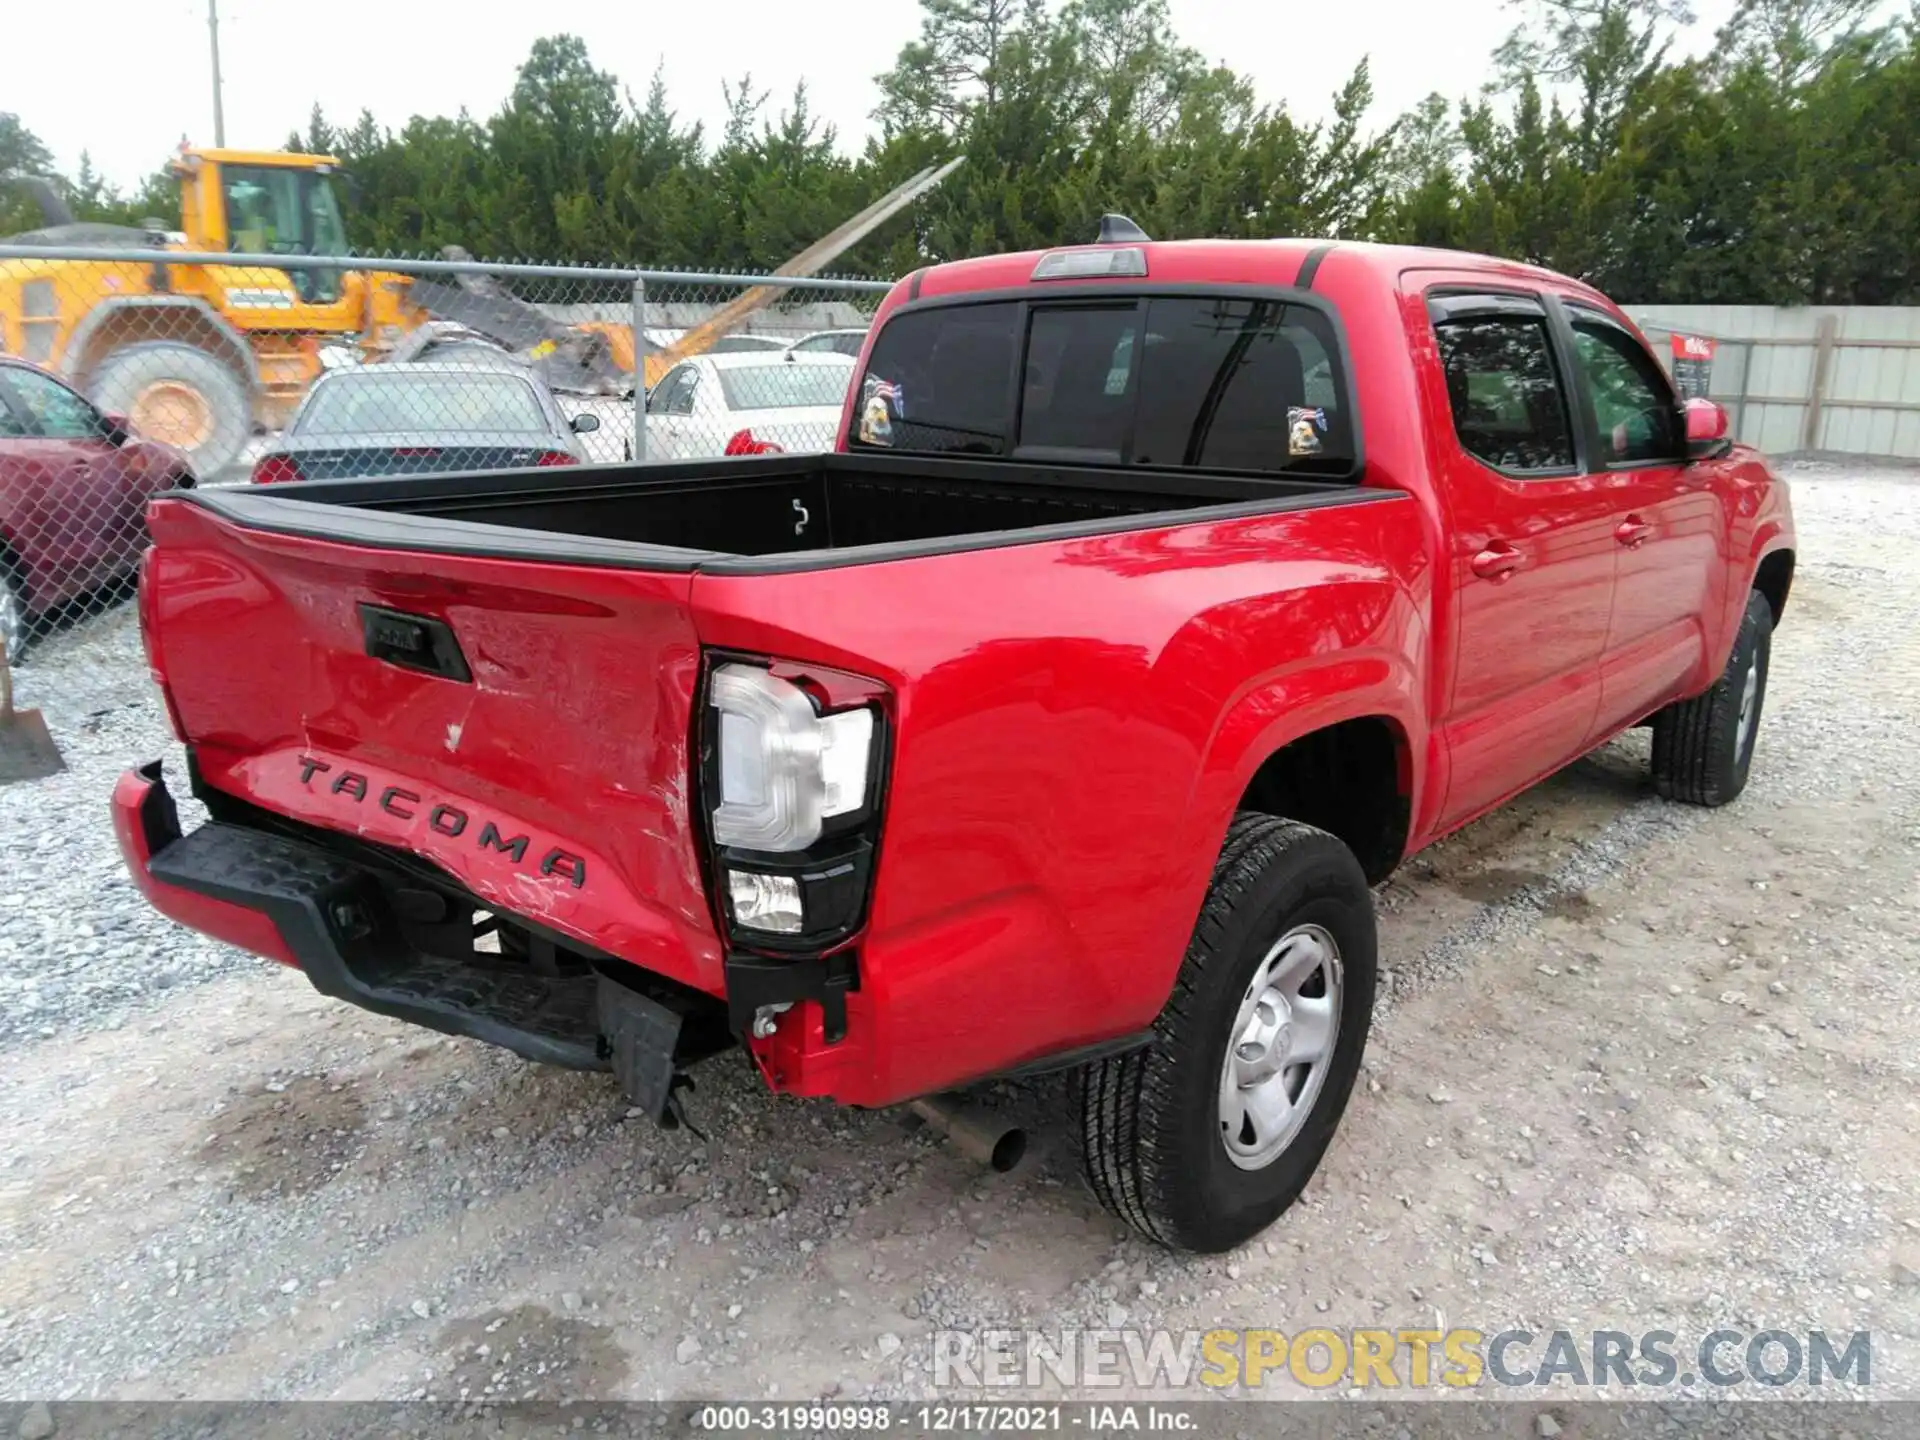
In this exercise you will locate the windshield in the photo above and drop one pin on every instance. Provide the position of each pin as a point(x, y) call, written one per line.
point(784, 386)
point(279, 210)
point(422, 404)
point(275, 210)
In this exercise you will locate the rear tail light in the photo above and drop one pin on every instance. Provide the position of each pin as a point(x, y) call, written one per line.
point(416, 452)
point(792, 767)
point(745, 442)
point(276, 470)
point(550, 458)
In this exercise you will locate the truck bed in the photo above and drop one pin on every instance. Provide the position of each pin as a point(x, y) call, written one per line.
point(487, 689)
point(754, 514)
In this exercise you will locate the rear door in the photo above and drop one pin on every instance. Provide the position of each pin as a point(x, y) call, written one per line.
point(1531, 560)
point(1666, 518)
point(670, 415)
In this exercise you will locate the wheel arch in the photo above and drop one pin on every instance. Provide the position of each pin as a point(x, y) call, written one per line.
point(1352, 777)
point(12, 558)
point(127, 320)
point(1773, 578)
point(1358, 712)
point(13, 563)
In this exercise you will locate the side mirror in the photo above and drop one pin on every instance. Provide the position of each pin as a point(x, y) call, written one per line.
point(115, 429)
point(585, 424)
point(1706, 429)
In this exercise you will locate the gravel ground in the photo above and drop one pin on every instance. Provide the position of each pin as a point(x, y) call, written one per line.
point(1638, 1067)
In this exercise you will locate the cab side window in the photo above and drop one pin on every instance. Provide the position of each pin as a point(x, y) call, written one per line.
point(15, 424)
point(1638, 417)
point(1509, 404)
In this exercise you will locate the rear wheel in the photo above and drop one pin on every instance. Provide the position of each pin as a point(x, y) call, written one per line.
point(1703, 747)
point(1201, 1139)
point(180, 396)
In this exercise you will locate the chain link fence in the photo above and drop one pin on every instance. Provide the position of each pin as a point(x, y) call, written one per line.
point(125, 372)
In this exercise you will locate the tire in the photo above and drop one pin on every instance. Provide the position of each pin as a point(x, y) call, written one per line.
point(16, 623)
point(1159, 1144)
point(134, 380)
point(1702, 748)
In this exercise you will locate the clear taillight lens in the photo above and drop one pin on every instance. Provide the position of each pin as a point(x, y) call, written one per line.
point(784, 770)
point(770, 903)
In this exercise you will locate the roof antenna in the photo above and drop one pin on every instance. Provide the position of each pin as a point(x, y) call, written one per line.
point(1119, 230)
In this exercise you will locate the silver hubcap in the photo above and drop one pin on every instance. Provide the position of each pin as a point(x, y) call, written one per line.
point(13, 619)
point(1749, 698)
point(1280, 1047)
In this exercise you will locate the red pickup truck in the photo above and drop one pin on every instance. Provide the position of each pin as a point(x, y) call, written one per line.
point(1158, 600)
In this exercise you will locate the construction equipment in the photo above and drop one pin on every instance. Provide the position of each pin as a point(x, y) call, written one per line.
point(27, 751)
point(199, 355)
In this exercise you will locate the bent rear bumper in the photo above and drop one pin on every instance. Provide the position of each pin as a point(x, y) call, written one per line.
point(922, 1027)
point(147, 824)
point(334, 919)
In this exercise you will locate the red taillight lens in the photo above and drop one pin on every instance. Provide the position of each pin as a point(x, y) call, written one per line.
point(745, 442)
point(556, 457)
point(276, 470)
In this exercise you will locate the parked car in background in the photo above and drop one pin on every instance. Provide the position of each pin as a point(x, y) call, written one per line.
point(830, 342)
point(488, 412)
point(74, 486)
point(747, 405)
point(745, 345)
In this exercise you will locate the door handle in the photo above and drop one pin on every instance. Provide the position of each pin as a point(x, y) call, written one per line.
point(1497, 562)
point(1632, 532)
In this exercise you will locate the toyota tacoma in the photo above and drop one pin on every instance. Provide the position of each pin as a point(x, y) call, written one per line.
point(1157, 600)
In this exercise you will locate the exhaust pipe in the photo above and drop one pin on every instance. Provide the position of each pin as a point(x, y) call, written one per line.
point(978, 1134)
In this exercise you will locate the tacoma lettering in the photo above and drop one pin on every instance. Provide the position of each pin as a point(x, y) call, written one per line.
point(444, 819)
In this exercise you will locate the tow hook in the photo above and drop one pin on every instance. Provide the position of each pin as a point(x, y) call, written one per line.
point(978, 1134)
point(766, 1020)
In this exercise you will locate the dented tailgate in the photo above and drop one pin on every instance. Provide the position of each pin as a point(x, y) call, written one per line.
point(524, 726)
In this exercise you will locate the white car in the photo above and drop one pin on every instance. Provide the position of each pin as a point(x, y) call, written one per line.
point(831, 342)
point(745, 344)
point(747, 404)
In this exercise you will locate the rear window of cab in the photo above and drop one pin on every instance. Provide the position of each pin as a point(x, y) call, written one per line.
point(1220, 382)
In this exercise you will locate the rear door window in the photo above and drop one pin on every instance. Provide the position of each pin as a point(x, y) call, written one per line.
point(1509, 405)
point(1188, 381)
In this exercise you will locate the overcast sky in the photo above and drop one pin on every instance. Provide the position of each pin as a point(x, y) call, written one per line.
point(124, 79)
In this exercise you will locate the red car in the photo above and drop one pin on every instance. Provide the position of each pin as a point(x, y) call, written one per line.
point(1160, 599)
point(74, 487)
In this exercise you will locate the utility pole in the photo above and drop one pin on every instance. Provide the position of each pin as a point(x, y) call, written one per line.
point(213, 36)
